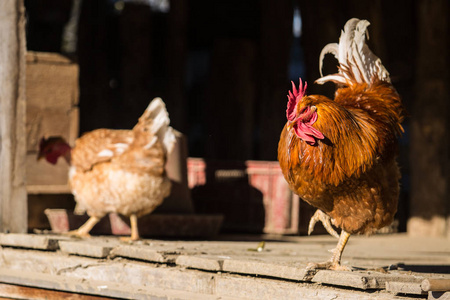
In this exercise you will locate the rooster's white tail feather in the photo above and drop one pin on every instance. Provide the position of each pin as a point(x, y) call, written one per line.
point(356, 60)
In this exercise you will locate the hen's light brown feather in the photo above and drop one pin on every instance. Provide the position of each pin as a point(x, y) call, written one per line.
point(123, 170)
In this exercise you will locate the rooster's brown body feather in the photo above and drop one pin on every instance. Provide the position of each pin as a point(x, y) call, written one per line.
point(351, 175)
point(340, 155)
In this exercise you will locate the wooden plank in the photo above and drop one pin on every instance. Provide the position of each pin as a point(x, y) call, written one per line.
point(208, 263)
point(48, 189)
point(138, 280)
point(393, 282)
point(122, 290)
point(404, 287)
point(435, 285)
point(363, 279)
point(146, 253)
point(90, 248)
point(47, 58)
point(30, 241)
point(13, 194)
point(348, 279)
point(11, 291)
point(263, 268)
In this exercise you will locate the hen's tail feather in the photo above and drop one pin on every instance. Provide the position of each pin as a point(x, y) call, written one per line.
point(356, 61)
point(157, 112)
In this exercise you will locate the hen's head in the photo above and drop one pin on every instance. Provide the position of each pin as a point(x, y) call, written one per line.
point(302, 115)
point(52, 148)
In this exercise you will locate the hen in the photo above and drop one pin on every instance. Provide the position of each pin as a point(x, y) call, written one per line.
point(340, 155)
point(118, 171)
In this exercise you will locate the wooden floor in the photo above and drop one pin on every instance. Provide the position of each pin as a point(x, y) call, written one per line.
point(230, 267)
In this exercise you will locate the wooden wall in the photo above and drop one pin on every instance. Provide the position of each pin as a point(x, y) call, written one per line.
point(13, 196)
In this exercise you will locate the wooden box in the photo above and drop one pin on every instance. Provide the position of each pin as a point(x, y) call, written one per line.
point(52, 99)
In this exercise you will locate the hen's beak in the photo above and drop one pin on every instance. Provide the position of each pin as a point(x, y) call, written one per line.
point(40, 156)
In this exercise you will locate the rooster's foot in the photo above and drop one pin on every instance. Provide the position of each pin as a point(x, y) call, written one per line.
point(328, 265)
point(326, 221)
point(335, 261)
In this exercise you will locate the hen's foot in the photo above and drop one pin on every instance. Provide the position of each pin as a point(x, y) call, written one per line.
point(83, 231)
point(134, 230)
point(326, 221)
point(129, 239)
point(77, 234)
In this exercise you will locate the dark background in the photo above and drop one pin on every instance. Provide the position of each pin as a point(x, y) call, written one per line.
point(224, 68)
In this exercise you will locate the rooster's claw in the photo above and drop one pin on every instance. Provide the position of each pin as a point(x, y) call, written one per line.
point(325, 219)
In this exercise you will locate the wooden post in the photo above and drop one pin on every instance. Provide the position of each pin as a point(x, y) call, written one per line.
point(430, 208)
point(13, 194)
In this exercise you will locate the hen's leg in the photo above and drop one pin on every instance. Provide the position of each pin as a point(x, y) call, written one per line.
point(134, 229)
point(335, 261)
point(325, 219)
point(84, 230)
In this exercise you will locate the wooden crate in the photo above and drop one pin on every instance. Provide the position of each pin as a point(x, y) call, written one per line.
point(52, 99)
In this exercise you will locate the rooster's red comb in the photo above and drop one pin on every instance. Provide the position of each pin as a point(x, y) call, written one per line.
point(294, 97)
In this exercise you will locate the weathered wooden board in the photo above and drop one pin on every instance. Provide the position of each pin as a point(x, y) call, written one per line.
point(108, 257)
point(404, 288)
point(208, 263)
point(12, 291)
point(146, 253)
point(31, 241)
point(94, 287)
point(267, 268)
point(436, 284)
point(87, 248)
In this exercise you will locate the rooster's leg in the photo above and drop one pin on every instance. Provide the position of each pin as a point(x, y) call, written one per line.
point(335, 261)
point(84, 230)
point(325, 219)
point(134, 229)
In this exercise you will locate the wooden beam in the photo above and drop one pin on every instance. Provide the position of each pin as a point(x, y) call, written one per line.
point(11, 291)
point(13, 194)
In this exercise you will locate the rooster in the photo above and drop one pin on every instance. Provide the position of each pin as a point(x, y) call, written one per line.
point(340, 155)
point(118, 171)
